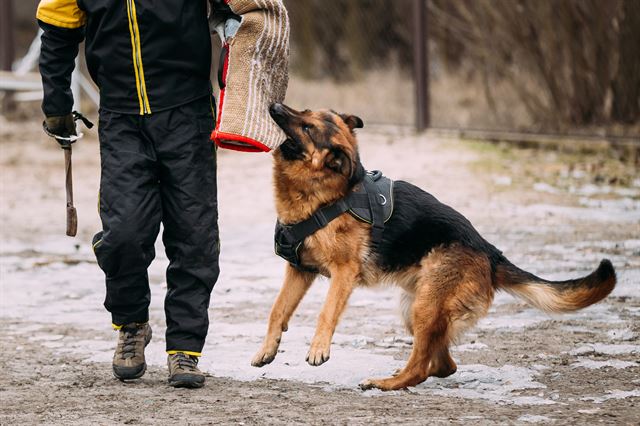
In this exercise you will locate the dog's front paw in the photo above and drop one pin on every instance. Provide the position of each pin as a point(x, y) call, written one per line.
point(318, 354)
point(264, 356)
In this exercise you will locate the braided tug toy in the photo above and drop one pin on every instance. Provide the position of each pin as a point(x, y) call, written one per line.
point(253, 72)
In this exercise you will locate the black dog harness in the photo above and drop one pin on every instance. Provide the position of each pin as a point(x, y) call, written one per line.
point(370, 201)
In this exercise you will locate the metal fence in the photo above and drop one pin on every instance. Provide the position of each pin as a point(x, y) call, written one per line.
point(514, 66)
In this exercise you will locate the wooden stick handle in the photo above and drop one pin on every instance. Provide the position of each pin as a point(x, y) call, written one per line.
point(72, 215)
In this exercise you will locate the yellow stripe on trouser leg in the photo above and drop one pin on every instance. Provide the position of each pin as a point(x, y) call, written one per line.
point(118, 327)
point(185, 352)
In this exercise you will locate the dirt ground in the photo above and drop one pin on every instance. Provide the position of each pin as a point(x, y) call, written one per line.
point(554, 214)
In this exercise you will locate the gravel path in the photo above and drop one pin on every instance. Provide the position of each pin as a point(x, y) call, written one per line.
point(517, 366)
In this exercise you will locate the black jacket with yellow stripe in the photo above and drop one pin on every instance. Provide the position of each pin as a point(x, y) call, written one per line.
point(144, 55)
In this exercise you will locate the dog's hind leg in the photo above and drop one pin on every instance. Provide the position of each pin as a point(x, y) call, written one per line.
point(453, 292)
point(296, 283)
point(406, 305)
point(429, 340)
point(442, 365)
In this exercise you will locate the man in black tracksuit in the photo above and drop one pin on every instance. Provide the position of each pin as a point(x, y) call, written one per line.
point(151, 61)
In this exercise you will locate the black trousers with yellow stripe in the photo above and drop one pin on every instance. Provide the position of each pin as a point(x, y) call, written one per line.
point(159, 168)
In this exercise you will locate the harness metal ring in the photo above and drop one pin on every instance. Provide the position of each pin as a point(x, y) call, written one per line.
point(384, 199)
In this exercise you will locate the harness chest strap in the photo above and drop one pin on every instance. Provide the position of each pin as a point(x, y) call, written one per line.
point(289, 238)
point(377, 214)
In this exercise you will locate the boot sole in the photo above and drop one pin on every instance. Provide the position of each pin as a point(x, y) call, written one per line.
point(186, 384)
point(124, 378)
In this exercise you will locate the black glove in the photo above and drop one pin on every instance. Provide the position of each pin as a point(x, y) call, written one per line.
point(222, 20)
point(62, 128)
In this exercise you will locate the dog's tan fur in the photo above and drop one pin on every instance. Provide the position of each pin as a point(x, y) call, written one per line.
point(446, 294)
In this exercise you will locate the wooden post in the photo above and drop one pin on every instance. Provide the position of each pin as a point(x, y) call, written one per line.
point(7, 52)
point(7, 47)
point(421, 64)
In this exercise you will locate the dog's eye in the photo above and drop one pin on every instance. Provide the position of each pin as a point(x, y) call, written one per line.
point(307, 128)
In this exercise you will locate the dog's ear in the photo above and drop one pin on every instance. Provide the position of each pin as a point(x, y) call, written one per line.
point(353, 121)
point(339, 162)
point(357, 173)
point(291, 150)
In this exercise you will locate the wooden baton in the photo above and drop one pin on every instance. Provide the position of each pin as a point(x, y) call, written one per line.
point(72, 215)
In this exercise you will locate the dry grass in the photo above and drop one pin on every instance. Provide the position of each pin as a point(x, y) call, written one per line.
point(387, 97)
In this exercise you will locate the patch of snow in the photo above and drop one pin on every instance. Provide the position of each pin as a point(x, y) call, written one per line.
point(530, 418)
point(616, 205)
point(594, 365)
point(38, 287)
point(495, 384)
point(628, 212)
point(46, 337)
point(512, 322)
point(395, 342)
point(590, 190)
point(606, 349)
point(589, 411)
point(628, 286)
point(624, 335)
point(613, 394)
point(470, 347)
point(576, 329)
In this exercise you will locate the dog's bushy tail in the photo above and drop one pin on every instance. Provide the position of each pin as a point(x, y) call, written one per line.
point(556, 296)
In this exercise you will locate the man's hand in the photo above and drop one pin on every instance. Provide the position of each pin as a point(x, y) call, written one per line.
point(222, 20)
point(62, 128)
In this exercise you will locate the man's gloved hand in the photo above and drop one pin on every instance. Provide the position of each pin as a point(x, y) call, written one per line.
point(62, 128)
point(222, 20)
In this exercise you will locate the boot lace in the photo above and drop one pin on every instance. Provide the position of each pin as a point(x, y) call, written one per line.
point(129, 342)
point(186, 362)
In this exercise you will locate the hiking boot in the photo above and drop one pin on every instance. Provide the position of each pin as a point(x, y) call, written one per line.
point(183, 371)
point(128, 360)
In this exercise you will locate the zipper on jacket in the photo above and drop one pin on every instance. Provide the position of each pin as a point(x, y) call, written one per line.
point(141, 86)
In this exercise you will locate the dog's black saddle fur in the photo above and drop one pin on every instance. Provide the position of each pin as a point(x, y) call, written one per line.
point(371, 201)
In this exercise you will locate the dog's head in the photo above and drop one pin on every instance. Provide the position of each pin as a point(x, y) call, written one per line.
point(321, 146)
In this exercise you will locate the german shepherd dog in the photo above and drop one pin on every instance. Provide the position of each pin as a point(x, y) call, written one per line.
point(448, 272)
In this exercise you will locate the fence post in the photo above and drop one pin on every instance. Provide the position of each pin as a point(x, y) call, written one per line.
point(6, 35)
point(421, 64)
point(7, 51)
